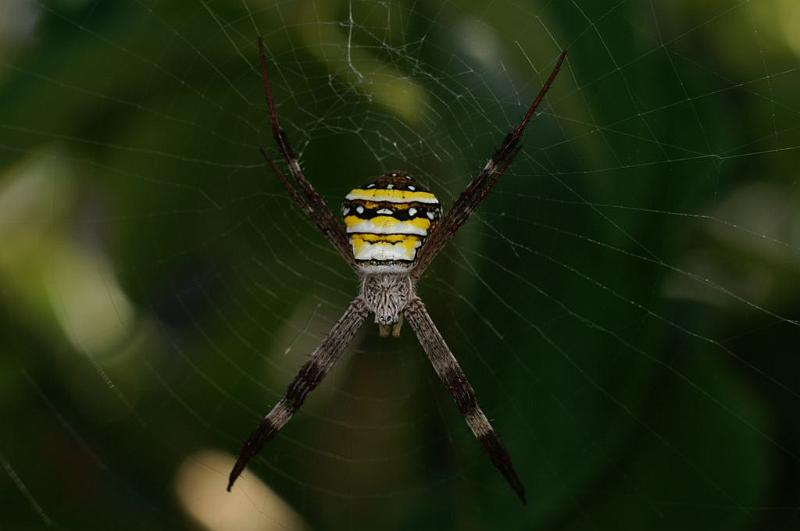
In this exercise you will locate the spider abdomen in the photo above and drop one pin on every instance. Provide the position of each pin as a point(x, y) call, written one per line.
point(388, 220)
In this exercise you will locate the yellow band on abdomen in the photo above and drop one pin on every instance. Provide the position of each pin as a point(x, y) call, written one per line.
point(387, 225)
point(391, 196)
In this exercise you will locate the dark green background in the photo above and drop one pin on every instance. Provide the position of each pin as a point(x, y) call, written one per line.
point(623, 303)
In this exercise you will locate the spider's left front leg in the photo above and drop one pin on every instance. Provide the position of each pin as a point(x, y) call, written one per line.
point(453, 377)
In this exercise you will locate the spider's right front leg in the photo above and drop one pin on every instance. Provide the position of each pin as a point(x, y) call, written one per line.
point(311, 374)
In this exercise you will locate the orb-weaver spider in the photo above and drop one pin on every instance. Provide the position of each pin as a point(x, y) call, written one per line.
point(393, 228)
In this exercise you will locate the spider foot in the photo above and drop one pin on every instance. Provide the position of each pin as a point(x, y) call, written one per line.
point(502, 461)
point(250, 449)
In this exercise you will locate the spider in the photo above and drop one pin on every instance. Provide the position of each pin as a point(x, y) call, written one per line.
point(393, 228)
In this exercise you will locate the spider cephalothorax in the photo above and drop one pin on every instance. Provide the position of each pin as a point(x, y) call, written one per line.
point(392, 230)
point(387, 295)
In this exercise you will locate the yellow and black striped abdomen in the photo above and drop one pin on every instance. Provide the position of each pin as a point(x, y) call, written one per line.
point(388, 220)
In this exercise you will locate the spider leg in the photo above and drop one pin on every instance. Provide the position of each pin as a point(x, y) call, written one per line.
point(311, 374)
point(477, 190)
point(308, 200)
point(331, 233)
point(453, 377)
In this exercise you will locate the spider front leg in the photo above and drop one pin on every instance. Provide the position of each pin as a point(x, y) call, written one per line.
point(311, 374)
point(477, 190)
point(453, 377)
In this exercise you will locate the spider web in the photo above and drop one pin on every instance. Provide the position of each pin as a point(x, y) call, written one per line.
point(624, 302)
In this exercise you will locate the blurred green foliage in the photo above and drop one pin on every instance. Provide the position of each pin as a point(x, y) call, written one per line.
point(623, 303)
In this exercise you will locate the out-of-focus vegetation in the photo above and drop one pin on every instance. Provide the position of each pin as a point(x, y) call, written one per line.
point(625, 303)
